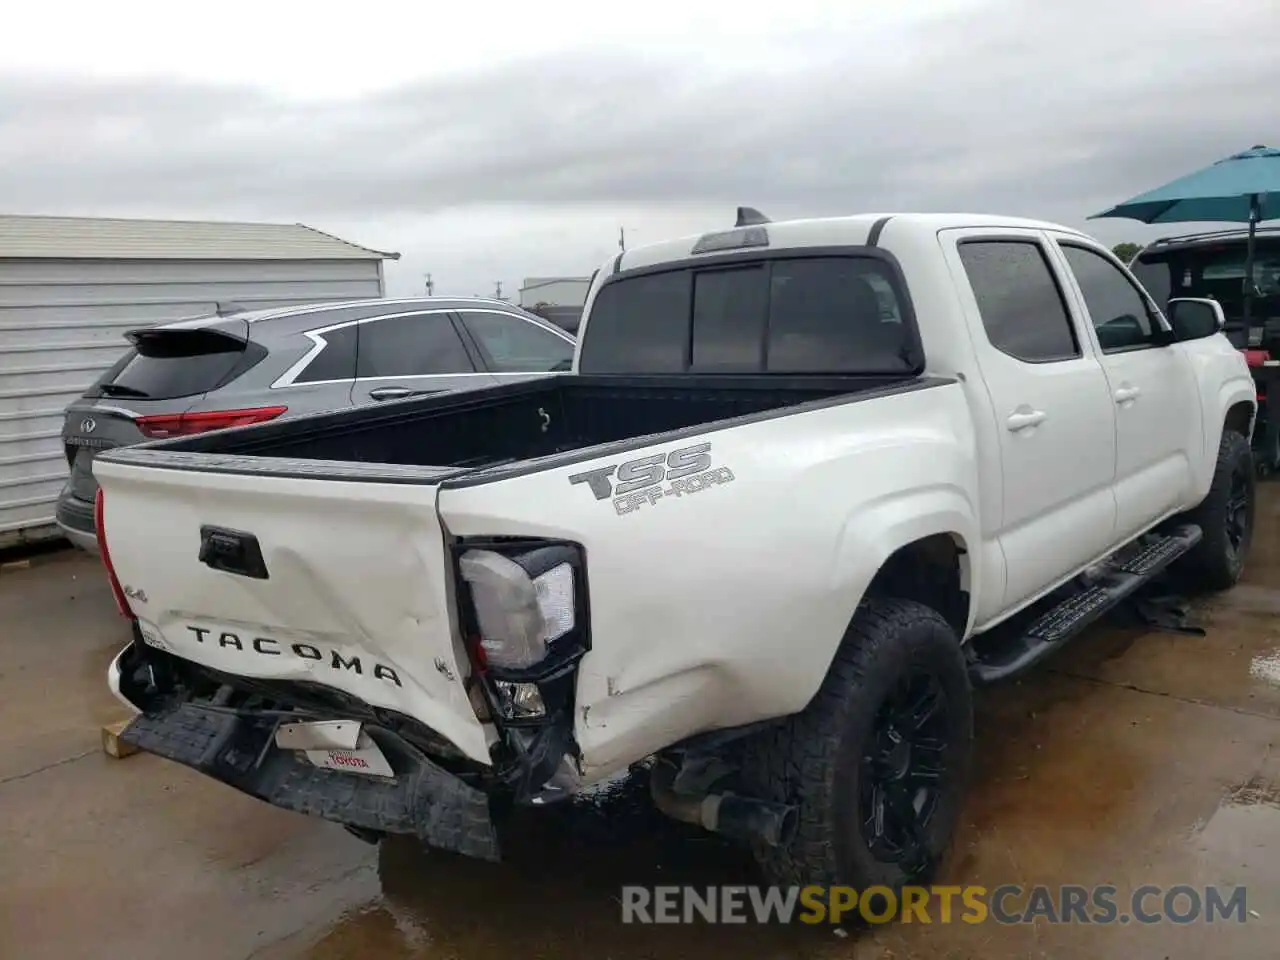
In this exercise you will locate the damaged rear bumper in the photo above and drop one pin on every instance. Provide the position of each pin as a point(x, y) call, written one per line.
point(239, 749)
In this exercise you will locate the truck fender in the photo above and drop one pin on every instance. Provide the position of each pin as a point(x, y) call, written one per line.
point(876, 530)
point(1233, 395)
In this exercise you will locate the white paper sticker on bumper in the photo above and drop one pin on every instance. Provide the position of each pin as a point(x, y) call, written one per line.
point(365, 759)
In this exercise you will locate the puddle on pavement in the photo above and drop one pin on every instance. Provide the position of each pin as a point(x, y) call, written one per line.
point(1247, 598)
point(1266, 667)
point(1241, 840)
point(557, 893)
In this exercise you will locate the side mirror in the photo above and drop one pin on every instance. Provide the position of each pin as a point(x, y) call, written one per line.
point(1193, 318)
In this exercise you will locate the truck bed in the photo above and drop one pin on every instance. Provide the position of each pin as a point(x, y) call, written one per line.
point(498, 426)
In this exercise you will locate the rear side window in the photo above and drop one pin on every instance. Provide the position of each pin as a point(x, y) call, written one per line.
point(419, 345)
point(337, 361)
point(780, 315)
point(516, 345)
point(170, 364)
point(1018, 297)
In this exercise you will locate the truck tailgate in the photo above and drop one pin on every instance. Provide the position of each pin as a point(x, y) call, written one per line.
point(353, 597)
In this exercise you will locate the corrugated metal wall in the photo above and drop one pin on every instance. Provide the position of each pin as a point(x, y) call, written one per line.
point(62, 324)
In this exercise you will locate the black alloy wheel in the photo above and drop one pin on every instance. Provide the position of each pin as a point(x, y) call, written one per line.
point(903, 770)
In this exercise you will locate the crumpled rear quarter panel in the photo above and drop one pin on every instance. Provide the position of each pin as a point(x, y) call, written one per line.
point(724, 606)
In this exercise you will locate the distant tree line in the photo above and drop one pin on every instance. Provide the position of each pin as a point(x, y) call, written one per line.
point(1126, 251)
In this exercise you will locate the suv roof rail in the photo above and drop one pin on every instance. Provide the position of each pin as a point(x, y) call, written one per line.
point(1229, 233)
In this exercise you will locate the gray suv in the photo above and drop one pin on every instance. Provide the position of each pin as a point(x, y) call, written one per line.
point(243, 367)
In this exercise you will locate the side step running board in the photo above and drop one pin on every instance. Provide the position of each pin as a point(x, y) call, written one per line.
point(1005, 656)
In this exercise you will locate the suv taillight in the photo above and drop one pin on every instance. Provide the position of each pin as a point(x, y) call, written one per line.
point(99, 525)
point(183, 424)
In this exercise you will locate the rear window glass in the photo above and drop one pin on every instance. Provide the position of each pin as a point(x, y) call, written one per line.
point(835, 314)
point(167, 367)
point(639, 325)
point(787, 315)
point(729, 314)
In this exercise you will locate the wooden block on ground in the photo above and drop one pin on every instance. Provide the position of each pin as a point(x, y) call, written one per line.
point(112, 745)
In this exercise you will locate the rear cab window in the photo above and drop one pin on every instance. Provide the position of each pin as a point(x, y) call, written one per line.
point(781, 314)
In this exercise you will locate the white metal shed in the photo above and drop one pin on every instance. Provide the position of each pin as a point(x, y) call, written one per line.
point(554, 291)
point(70, 287)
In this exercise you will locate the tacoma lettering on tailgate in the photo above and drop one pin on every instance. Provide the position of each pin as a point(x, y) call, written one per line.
point(267, 647)
point(684, 471)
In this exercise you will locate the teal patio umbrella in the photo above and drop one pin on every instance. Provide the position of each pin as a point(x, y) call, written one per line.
point(1243, 188)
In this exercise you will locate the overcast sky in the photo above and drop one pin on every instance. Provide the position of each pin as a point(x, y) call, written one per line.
point(494, 141)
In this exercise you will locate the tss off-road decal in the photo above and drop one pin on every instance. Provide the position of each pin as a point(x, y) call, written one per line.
point(634, 483)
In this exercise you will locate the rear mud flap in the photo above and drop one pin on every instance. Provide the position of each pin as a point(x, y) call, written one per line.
point(424, 801)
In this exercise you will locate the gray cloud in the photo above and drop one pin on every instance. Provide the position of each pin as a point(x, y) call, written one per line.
point(1025, 107)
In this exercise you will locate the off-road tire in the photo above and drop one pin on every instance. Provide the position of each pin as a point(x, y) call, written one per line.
point(1215, 563)
point(815, 759)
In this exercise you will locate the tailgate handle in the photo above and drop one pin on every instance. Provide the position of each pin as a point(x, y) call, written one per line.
point(232, 551)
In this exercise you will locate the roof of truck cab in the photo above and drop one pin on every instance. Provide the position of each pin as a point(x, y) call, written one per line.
point(835, 232)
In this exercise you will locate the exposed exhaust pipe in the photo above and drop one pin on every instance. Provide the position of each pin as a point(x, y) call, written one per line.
point(733, 816)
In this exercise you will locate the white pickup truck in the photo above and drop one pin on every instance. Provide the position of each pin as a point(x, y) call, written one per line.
point(808, 483)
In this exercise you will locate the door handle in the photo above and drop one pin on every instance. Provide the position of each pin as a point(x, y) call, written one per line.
point(1024, 421)
point(1127, 394)
point(391, 393)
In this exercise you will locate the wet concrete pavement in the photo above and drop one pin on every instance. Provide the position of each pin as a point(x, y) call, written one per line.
point(1136, 757)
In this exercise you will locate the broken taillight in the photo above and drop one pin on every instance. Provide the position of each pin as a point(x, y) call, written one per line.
point(162, 425)
point(99, 524)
